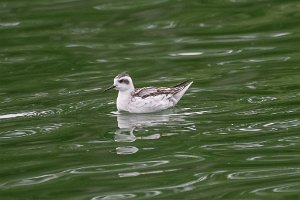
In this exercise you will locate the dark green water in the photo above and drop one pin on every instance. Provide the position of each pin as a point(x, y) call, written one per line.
point(235, 134)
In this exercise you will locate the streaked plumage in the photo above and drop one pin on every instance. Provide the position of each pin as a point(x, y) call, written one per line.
point(148, 99)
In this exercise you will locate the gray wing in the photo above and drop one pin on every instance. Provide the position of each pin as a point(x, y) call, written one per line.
point(146, 91)
point(151, 99)
point(152, 91)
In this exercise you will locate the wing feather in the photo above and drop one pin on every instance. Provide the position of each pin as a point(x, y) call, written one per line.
point(152, 91)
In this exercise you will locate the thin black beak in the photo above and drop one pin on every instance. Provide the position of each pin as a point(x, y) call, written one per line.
point(111, 87)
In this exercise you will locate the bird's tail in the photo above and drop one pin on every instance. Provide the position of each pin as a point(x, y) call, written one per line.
point(183, 87)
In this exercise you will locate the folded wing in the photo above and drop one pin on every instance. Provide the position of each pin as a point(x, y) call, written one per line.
point(151, 98)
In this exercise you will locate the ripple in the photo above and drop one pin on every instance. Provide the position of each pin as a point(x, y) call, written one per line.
point(128, 5)
point(280, 188)
point(9, 24)
point(115, 197)
point(283, 124)
point(17, 133)
point(250, 37)
point(103, 169)
point(266, 59)
point(126, 150)
point(187, 186)
point(14, 115)
point(89, 46)
point(274, 158)
point(118, 167)
point(266, 126)
point(160, 25)
point(143, 43)
point(30, 131)
point(256, 99)
point(254, 111)
point(256, 60)
point(252, 85)
point(155, 191)
point(186, 54)
point(41, 113)
point(30, 181)
point(257, 143)
point(132, 174)
point(139, 194)
point(290, 139)
point(280, 34)
point(79, 77)
point(236, 146)
point(264, 173)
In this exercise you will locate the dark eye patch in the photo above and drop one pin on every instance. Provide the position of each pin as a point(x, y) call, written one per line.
point(124, 81)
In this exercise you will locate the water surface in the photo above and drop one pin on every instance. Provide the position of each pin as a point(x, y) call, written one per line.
point(234, 135)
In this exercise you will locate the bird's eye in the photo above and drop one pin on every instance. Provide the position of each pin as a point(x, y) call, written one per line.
point(125, 81)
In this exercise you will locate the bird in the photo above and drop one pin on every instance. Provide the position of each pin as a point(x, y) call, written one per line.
point(147, 99)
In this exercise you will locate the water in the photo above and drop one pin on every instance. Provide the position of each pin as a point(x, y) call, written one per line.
point(235, 134)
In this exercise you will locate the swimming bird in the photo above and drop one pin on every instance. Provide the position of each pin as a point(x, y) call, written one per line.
point(147, 99)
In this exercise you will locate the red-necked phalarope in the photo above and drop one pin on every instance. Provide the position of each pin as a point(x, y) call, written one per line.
point(148, 99)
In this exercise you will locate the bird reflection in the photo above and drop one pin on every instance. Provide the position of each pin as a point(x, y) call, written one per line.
point(128, 122)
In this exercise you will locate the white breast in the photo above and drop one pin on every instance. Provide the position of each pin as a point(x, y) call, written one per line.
point(123, 101)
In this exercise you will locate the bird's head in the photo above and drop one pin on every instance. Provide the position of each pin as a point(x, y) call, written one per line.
point(122, 82)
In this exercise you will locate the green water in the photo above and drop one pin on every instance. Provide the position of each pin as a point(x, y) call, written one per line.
point(234, 135)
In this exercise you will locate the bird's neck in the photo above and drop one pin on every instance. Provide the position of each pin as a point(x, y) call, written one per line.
point(125, 94)
point(124, 98)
